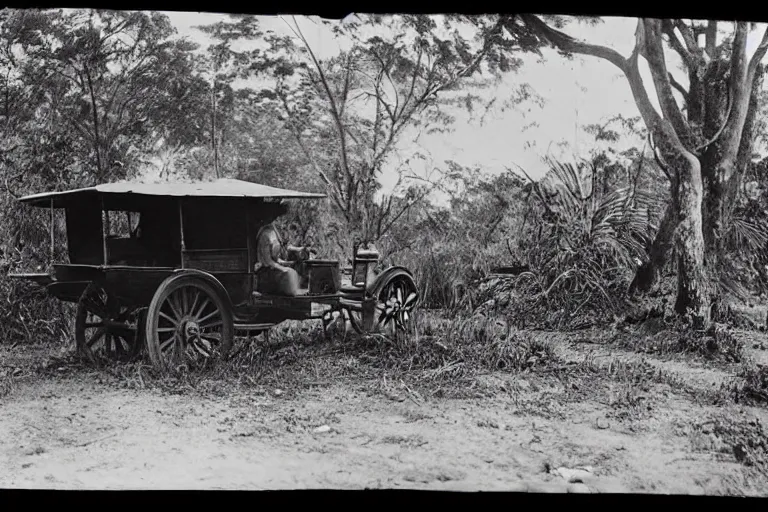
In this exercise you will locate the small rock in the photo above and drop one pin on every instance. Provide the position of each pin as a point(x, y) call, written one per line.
point(603, 424)
point(572, 476)
point(578, 489)
point(322, 429)
point(278, 392)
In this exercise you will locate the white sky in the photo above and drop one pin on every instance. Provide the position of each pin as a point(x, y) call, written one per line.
point(577, 92)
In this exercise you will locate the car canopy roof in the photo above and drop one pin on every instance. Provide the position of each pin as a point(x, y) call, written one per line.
point(122, 194)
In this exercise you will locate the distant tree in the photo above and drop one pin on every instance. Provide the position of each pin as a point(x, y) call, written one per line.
point(348, 113)
point(113, 78)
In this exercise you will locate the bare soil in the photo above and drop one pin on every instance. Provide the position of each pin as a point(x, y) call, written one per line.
point(77, 431)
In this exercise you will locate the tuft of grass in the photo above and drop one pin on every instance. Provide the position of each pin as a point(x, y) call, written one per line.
point(744, 439)
point(750, 385)
point(718, 344)
point(442, 349)
point(7, 385)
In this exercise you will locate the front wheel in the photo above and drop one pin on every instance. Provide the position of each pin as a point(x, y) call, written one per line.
point(392, 311)
point(187, 322)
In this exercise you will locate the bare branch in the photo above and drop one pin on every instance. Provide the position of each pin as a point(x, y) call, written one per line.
point(568, 44)
point(334, 110)
point(739, 65)
point(307, 154)
point(758, 55)
point(345, 91)
point(649, 114)
point(629, 66)
point(658, 67)
point(740, 88)
point(717, 134)
point(664, 167)
point(674, 41)
point(677, 85)
point(413, 79)
point(711, 39)
point(688, 36)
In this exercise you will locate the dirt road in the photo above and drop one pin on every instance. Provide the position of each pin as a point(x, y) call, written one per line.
point(75, 434)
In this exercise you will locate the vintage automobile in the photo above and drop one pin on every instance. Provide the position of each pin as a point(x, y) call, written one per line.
point(169, 267)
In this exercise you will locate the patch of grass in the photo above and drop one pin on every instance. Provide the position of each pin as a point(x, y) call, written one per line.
point(7, 384)
point(440, 354)
point(718, 344)
point(744, 439)
point(639, 374)
point(750, 385)
point(630, 388)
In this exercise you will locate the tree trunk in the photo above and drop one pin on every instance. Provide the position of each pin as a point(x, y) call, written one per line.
point(96, 134)
point(693, 283)
point(648, 273)
point(693, 279)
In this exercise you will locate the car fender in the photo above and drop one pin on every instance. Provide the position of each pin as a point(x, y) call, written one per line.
point(386, 276)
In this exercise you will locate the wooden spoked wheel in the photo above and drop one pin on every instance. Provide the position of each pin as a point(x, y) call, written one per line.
point(393, 311)
point(187, 322)
point(106, 330)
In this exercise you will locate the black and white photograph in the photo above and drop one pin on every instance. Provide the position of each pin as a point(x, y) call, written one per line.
point(442, 252)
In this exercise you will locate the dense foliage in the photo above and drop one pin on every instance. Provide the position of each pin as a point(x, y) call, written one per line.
point(90, 96)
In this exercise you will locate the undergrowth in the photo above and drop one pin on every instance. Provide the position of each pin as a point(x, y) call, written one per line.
point(750, 385)
point(744, 439)
point(719, 344)
point(439, 353)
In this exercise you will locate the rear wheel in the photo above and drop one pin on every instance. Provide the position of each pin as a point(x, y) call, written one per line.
point(105, 329)
point(187, 322)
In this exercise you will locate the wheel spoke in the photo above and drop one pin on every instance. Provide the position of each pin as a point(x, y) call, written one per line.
point(211, 325)
point(172, 303)
point(194, 302)
point(174, 322)
point(202, 308)
point(209, 315)
point(211, 335)
point(96, 337)
point(170, 342)
point(117, 343)
point(184, 300)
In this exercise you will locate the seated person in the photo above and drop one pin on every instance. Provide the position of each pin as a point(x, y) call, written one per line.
point(276, 273)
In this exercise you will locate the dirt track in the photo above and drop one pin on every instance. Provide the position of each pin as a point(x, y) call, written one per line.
point(79, 434)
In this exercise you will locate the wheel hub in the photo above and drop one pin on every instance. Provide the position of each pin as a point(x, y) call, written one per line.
point(191, 330)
